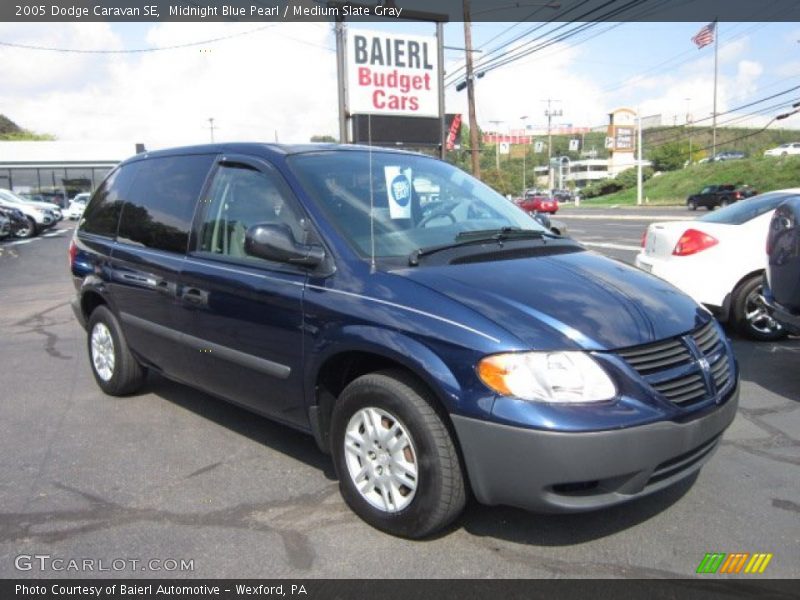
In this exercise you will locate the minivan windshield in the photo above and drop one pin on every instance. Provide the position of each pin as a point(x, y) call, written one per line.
point(416, 202)
point(747, 209)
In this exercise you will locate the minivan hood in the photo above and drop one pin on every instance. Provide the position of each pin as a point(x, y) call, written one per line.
point(579, 300)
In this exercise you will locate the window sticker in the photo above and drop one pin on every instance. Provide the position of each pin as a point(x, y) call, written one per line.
point(398, 190)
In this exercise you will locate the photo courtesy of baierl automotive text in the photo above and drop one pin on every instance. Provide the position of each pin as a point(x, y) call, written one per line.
point(494, 292)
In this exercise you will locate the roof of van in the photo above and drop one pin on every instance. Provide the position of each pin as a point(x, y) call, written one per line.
point(263, 149)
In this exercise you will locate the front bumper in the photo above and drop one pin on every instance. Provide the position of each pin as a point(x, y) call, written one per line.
point(550, 471)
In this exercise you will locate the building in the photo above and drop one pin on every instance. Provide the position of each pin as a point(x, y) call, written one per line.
point(56, 171)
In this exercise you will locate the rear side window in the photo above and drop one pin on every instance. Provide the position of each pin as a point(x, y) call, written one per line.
point(102, 213)
point(743, 211)
point(159, 208)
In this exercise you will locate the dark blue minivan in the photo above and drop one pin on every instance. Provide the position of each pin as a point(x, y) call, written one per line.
point(431, 336)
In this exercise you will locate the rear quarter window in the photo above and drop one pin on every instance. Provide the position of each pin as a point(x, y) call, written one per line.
point(158, 212)
point(101, 216)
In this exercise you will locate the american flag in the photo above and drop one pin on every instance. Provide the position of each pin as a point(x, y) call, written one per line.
point(705, 36)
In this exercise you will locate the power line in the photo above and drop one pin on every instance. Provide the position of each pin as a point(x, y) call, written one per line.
point(135, 50)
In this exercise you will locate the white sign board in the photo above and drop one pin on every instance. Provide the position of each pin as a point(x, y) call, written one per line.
point(574, 145)
point(538, 147)
point(392, 74)
point(505, 148)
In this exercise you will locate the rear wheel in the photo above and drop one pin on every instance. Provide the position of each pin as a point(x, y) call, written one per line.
point(397, 465)
point(115, 369)
point(750, 315)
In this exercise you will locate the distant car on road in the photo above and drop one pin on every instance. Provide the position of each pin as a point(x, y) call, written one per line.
point(533, 203)
point(784, 150)
point(729, 155)
point(718, 259)
point(713, 196)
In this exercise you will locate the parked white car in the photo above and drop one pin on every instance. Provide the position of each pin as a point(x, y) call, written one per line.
point(784, 150)
point(77, 205)
point(719, 260)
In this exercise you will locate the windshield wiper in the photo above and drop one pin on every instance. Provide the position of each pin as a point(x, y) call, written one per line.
point(478, 236)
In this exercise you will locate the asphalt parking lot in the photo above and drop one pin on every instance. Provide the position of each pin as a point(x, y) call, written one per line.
point(173, 474)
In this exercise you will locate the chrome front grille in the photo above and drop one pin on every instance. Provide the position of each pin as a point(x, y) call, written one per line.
point(686, 370)
point(656, 357)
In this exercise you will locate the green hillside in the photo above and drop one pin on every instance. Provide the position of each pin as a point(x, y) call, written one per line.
point(10, 131)
point(763, 173)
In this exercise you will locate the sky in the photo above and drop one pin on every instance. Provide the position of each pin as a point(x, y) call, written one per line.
point(278, 81)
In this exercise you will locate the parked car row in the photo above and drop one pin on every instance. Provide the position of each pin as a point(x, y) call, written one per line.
point(29, 217)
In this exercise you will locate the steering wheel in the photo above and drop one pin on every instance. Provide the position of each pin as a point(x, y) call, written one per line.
point(442, 209)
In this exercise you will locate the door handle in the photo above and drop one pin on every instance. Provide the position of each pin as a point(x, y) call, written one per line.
point(168, 288)
point(195, 297)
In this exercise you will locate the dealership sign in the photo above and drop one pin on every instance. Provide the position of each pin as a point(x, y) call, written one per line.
point(391, 74)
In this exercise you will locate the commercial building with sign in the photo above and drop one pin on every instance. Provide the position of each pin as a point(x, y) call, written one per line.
point(56, 171)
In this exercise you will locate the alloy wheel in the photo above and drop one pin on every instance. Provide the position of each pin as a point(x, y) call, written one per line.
point(381, 459)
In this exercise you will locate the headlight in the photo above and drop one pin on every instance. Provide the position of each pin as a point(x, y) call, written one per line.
point(547, 376)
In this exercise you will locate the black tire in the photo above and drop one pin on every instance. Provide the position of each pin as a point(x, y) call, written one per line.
point(127, 375)
point(692, 204)
point(761, 328)
point(725, 202)
point(29, 231)
point(440, 492)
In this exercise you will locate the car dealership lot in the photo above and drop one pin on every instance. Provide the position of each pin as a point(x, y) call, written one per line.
point(172, 473)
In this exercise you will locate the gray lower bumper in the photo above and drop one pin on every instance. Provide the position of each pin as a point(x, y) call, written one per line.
point(570, 472)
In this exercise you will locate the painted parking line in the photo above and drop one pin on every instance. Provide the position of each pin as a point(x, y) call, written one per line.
point(54, 233)
point(626, 217)
point(612, 246)
point(19, 242)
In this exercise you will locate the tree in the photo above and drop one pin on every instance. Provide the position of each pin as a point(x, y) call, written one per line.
point(670, 156)
point(323, 138)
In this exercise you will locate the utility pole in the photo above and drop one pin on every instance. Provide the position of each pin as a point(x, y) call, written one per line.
point(550, 113)
point(473, 121)
point(496, 144)
point(716, 71)
point(211, 128)
point(688, 129)
point(639, 162)
point(340, 75)
point(524, 154)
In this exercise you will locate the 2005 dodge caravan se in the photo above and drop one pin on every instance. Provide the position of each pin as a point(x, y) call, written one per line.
point(429, 334)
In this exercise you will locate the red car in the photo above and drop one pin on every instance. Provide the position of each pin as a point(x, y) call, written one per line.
point(537, 203)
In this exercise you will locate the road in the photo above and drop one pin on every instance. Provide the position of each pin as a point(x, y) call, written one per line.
point(172, 473)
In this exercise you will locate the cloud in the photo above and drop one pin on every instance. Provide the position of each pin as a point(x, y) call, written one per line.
point(280, 79)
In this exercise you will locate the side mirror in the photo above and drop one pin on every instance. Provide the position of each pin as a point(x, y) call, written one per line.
point(276, 242)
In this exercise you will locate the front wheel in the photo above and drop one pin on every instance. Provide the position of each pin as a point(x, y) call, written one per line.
point(725, 202)
point(28, 230)
point(397, 465)
point(692, 204)
point(750, 315)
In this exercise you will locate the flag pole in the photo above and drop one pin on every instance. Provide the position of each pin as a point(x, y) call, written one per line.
point(714, 114)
